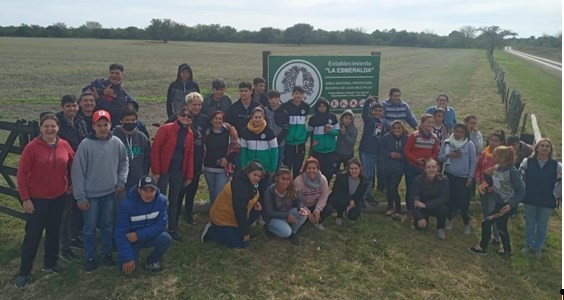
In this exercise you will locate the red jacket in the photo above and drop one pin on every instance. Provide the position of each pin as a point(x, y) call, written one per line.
point(163, 146)
point(419, 146)
point(484, 162)
point(43, 170)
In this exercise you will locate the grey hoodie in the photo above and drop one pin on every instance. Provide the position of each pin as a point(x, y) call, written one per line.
point(99, 166)
point(346, 142)
point(138, 150)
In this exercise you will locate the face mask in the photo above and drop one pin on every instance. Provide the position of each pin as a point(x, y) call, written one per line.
point(129, 126)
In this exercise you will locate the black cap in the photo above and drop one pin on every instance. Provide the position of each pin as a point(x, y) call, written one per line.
point(147, 181)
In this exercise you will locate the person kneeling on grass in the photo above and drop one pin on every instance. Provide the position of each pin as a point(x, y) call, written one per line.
point(315, 191)
point(430, 195)
point(284, 209)
point(508, 191)
point(141, 223)
point(348, 192)
point(235, 209)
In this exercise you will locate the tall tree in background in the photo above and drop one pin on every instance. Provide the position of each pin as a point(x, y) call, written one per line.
point(493, 37)
point(161, 29)
point(298, 34)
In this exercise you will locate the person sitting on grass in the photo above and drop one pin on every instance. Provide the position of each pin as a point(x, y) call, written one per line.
point(508, 190)
point(315, 191)
point(284, 210)
point(430, 195)
point(141, 223)
point(348, 192)
point(235, 209)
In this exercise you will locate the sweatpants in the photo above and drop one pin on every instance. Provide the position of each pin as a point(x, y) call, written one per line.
point(459, 197)
point(440, 212)
point(342, 160)
point(294, 158)
point(327, 163)
point(501, 223)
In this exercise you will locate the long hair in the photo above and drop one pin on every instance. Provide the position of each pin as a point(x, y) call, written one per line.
point(310, 160)
point(355, 161)
point(505, 155)
point(291, 190)
point(550, 155)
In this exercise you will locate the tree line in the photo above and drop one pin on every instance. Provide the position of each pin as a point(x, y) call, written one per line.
point(165, 30)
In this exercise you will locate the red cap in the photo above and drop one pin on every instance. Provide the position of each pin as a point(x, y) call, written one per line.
point(99, 114)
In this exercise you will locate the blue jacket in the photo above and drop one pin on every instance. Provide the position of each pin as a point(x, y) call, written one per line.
point(450, 115)
point(372, 131)
point(148, 220)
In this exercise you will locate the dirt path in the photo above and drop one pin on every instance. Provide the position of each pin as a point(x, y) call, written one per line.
point(553, 67)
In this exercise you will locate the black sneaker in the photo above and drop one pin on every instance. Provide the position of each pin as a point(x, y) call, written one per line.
point(190, 220)
point(108, 261)
point(21, 281)
point(68, 255)
point(370, 200)
point(475, 250)
point(175, 236)
point(269, 234)
point(77, 243)
point(504, 254)
point(53, 269)
point(154, 267)
point(294, 239)
point(90, 266)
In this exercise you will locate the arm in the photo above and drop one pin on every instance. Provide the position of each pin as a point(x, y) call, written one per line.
point(473, 160)
point(124, 247)
point(411, 120)
point(146, 157)
point(444, 194)
point(270, 209)
point(243, 152)
point(322, 200)
point(435, 153)
point(286, 122)
point(479, 173)
point(123, 165)
point(189, 156)
point(169, 111)
point(366, 110)
point(443, 153)
point(159, 141)
point(25, 167)
point(335, 130)
point(78, 174)
point(350, 137)
point(408, 146)
point(149, 232)
point(518, 186)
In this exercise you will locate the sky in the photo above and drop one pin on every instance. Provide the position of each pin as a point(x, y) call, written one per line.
point(525, 17)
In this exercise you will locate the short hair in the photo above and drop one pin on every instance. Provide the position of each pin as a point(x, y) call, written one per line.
point(194, 96)
point(439, 110)
point(116, 66)
point(464, 128)
point(258, 80)
point(499, 134)
point(394, 90)
point(547, 140)
point(513, 139)
point(376, 105)
point(84, 94)
point(443, 95)
point(273, 94)
point(218, 84)
point(299, 89)
point(506, 156)
point(245, 85)
point(469, 117)
point(68, 99)
point(127, 112)
point(310, 160)
point(48, 116)
point(215, 113)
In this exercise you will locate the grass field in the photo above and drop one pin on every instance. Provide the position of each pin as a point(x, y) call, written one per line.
point(372, 259)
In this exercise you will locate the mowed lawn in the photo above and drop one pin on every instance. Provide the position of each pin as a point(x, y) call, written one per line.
point(371, 259)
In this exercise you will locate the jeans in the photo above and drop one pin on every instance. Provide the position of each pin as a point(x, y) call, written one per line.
point(283, 228)
point(440, 212)
point(231, 237)
point(47, 215)
point(488, 205)
point(501, 223)
point(294, 158)
point(536, 225)
point(369, 163)
point(175, 181)
point(393, 179)
point(98, 215)
point(161, 243)
point(459, 197)
point(410, 173)
point(215, 181)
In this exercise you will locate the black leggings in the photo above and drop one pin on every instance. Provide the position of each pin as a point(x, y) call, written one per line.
point(392, 180)
point(294, 158)
point(501, 223)
point(459, 197)
point(340, 205)
point(440, 212)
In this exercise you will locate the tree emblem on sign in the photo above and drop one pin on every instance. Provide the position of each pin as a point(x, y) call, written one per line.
point(298, 75)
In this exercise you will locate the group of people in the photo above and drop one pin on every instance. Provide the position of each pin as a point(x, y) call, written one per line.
point(90, 167)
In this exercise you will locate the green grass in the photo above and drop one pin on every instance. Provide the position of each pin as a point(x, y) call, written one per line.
point(374, 258)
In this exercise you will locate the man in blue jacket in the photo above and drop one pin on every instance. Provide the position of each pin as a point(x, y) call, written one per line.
point(141, 223)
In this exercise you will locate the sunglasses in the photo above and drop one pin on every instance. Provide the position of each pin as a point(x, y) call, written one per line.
point(185, 115)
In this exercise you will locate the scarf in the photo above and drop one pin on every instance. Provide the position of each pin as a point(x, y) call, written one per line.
point(452, 144)
point(254, 129)
point(314, 185)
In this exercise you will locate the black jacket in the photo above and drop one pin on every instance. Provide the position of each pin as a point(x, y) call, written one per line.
point(239, 116)
point(341, 189)
point(74, 132)
point(242, 192)
point(177, 91)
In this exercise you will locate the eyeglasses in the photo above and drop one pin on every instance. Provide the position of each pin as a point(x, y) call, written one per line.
point(184, 115)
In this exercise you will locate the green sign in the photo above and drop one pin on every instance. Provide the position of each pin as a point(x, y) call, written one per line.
point(345, 81)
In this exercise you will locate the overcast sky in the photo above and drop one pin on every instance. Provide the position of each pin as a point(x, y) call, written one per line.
point(525, 17)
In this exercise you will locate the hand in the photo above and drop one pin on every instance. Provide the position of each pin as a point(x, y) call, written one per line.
point(395, 154)
point(371, 98)
point(232, 132)
point(421, 160)
point(469, 182)
point(109, 91)
point(453, 154)
point(482, 188)
point(132, 237)
point(187, 182)
point(422, 223)
point(343, 130)
point(505, 209)
point(223, 162)
point(69, 190)
point(94, 93)
point(28, 207)
point(292, 219)
point(327, 128)
point(419, 204)
point(490, 170)
point(119, 189)
point(303, 212)
point(350, 206)
point(316, 217)
point(157, 176)
point(258, 206)
point(84, 205)
point(247, 238)
point(128, 267)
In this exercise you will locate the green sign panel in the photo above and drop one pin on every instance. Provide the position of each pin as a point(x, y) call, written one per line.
point(345, 81)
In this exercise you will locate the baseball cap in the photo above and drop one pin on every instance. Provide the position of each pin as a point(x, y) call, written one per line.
point(99, 114)
point(147, 182)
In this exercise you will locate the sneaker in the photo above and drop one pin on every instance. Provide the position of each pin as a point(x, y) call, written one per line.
point(108, 261)
point(495, 242)
point(90, 266)
point(205, 232)
point(504, 254)
point(396, 217)
point(77, 243)
point(154, 267)
point(190, 220)
point(54, 269)
point(538, 254)
point(526, 250)
point(294, 239)
point(467, 229)
point(441, 234)
point(339, 221)
point(319, 227)
point(175, 236)
point(370, 200)
point(389, 212)
point(21, 281)
point(448, 225)
point(68, 255)
point(477, 250)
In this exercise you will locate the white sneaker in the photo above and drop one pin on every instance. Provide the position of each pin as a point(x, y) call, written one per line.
point(319, 227)
point(448, 225)
point(339, 221)
point(467, 229)
point(441, 234)
point(205, 232)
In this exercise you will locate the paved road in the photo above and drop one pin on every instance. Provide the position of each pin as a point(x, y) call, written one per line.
point(555, 67)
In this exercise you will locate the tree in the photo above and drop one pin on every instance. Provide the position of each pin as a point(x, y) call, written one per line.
point(92, 25)
point(298, 34)
point(493, 37)
point(161, 29)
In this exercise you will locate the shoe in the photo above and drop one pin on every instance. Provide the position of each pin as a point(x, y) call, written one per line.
point(175, 236)
point(477, 250)
point(54, 269)
point(339, 221)
point(294, 239)
point(190, 220)
point(467, 229)
point(370, 200)
point(389, 212)
point(205, 232)
point(108, 261)
point(495, 242)
point(526, 250)
point(504, 254)
point(90, 266)
point(68, 255)
point(154, 267)
point(319, 227)
point(441, 234)
point(448, 225)
point(538, 254)
point(396, 216)
point(77, 243)
point(21, 281)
